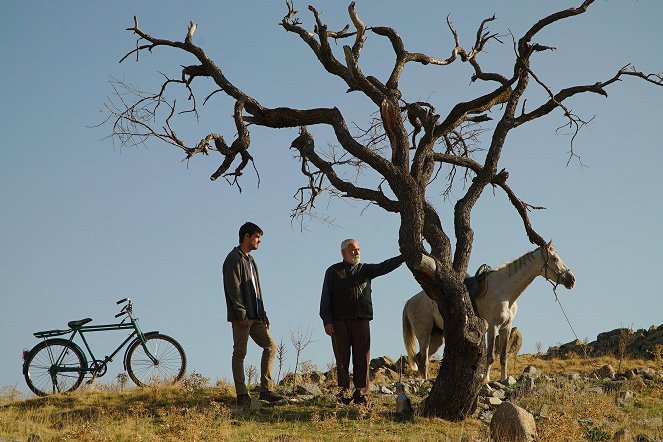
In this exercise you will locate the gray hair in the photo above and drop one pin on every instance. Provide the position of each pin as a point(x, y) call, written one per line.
point(345, 243)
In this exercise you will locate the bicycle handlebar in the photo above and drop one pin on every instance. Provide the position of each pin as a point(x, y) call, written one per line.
point(126, 309)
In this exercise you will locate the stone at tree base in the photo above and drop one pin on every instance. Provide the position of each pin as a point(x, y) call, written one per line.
point(511, 423)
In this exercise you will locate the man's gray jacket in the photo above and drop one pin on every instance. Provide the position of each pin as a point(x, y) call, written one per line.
point(243, 299)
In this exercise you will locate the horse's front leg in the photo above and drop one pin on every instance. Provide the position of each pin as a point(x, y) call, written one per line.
point(492, 332)
point(503, 344)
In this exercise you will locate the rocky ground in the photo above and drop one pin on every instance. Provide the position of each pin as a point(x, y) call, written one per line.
point(389, 376)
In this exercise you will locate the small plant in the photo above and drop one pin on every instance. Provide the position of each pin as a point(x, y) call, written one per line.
point(595, 434)
point(251, 374)
point(194, 381)
point(307, 367)
point(122, 380)
point(9, 394)
point(280, 357)
point(331, 372)
point(626, 338)
point(300, 340)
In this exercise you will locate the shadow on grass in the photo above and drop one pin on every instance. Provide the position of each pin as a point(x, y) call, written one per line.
point(154, 402)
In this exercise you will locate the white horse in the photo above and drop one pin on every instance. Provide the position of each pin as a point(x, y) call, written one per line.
point(497, 305)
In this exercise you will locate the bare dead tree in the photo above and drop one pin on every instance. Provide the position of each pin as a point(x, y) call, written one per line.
point(406, 144)
point(251, 374)
point(281, 351)
point(301, 338)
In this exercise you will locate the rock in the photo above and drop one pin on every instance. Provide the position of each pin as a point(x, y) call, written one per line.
point(486, 390)
point(511, 423)
point(625, 394)
point(486, 416)
point(497, 385)
point(605, 372)
point(572, 376)
point(531, 371)
point(528, 384)
point(382, 362)
point(654, 422)
point(636, 384)
point(493, 401)
point(317, 377)
point(384, 375)
point(648, 373)
point(385, 390)
point(291, 379)
point(499, 394)
point(622, 435)
point(613, 386)
point(515, 341)
point(308, 389)
point(621, 342)
point(509, 381)
point(255, 404)
point(544, 412)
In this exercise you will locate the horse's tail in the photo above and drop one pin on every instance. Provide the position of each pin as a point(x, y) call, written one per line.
point(408, 339)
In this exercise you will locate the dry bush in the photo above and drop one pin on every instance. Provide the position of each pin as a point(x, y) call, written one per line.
point(194, 381)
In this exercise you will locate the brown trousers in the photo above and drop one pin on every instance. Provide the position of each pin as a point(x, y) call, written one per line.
point(260, 334)
point(352, 336)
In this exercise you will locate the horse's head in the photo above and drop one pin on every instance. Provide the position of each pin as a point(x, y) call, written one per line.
point(554, 268)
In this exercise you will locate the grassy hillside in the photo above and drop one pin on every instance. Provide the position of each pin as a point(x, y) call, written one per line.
point(193, 411)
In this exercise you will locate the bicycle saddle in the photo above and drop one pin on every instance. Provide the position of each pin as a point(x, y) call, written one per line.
point(74, 324)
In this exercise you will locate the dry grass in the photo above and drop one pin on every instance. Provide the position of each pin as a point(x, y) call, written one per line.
point(208, 414)
point(196, 412)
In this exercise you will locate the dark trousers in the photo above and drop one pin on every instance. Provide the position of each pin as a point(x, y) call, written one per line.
point(352, 336)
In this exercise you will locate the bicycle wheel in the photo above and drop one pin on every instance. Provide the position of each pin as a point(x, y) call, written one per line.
point(170, 361)
point(41, 367)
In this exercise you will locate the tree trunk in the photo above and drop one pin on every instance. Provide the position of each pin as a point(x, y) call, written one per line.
point(456, 388)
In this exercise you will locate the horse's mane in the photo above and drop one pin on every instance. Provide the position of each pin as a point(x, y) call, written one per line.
point(515, 265)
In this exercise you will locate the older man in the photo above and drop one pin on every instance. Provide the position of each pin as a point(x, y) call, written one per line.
point(346, 309)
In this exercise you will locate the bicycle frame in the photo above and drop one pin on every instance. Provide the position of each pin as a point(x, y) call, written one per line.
point(59, 364)
point(82, 329)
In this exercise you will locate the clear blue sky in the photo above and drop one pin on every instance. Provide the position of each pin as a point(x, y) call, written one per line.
point(84, 223)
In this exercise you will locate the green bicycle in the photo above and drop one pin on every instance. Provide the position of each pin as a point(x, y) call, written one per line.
point(58, 365)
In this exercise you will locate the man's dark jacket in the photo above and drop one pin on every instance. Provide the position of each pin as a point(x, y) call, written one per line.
point(346, 291)
point(241, 298)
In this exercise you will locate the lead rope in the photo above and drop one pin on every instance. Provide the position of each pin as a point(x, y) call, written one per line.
point(584, 351)
point(554, 289)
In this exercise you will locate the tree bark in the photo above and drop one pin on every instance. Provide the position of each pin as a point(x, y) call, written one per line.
point(456, 388)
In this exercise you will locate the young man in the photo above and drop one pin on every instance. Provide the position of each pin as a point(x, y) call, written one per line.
point(246, 313)
point(346, 309)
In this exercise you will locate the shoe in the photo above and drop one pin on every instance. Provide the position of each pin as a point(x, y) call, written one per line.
point(359, 399)
point(270, 396)
point(244, 400)
point(342, 399)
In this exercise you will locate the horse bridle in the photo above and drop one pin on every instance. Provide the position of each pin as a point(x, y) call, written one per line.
point(547, 266)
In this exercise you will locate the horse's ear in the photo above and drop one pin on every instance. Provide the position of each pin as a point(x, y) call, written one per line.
point(549, 244)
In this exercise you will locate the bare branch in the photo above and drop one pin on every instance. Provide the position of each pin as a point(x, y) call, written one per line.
point(305, 144)
point(361, 31)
